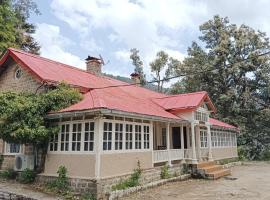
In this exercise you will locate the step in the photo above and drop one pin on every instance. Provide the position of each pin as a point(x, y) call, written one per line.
point(218, 174)
point(205, 164)
point(211, 168)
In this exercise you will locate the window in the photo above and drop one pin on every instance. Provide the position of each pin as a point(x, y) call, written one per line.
point(146, 137)
point(223, 138)
point(164, 137)
point(203, 137)
point(18, 73)
point(107, 136)
point(13, 148)
point(65, 137)
point(138, 137)
point(76, 137)
point(201, 116)
point(54, 143)
point(118, 136)
point(129, 133)
point(89, 129)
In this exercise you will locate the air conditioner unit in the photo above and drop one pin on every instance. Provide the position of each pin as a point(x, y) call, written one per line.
point(24, 161)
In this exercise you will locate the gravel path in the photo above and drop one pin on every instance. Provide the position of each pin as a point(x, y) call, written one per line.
point(252, 183)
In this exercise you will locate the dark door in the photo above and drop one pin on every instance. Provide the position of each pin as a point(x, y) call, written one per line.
point(176, 137)
point(185, 136)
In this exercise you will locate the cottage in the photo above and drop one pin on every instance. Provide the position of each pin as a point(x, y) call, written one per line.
point(116, 125)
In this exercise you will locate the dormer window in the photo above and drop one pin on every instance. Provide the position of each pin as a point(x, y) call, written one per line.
point(18, 73)
point(201, 116)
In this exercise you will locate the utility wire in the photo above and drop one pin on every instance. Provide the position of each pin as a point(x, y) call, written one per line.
point(179, 75)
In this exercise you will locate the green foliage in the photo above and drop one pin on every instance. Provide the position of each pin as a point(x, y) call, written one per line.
point(185, 169)
point(228, 67)
point(132, 181)
point(164, 174)
point(137, 62)
point(27, 176)
point(60, 184)
point(15, 31)
point(1, 160)
point(87, 196)
point(8, 174)
point(23, 115)
point(163, 64)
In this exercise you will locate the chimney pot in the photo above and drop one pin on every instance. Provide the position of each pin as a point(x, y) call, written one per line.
point(93, 65)
point(136, 78)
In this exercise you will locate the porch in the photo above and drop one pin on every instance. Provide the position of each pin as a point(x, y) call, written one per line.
point(185, 142)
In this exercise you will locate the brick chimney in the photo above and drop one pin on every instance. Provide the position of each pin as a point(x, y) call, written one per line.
point(136, 78)
point(93, 65)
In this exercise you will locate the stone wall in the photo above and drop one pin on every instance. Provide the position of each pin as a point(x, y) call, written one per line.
point(101, 188)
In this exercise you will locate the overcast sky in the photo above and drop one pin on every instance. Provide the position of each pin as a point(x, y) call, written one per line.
point(69, 30)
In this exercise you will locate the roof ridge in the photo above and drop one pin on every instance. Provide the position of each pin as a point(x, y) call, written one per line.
point(47, 59)
point(183, 94)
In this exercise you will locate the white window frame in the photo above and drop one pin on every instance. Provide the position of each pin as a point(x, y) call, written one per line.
point(118, 136)
point(7, 149)
point(76, 143)
point(203, 138)
point(70, 138)
point(90, 141)
point(222, 138)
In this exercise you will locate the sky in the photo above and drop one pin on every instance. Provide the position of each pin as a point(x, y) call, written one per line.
point(70, 30)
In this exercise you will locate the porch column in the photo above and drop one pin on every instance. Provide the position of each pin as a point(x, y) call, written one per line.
point(209, 142)
point(194, 158)
point(152, 141)
point(168, 144)
point(182, 143)
point(198, 145)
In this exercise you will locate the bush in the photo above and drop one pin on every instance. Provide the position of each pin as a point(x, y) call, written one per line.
point(132, 181)
point(164, 174)
point(60, 184)
point(8, 174)
point(185, 169)
point(87, 196)
point(27, 176)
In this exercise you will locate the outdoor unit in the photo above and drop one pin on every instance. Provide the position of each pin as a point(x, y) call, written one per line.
point(24, 161)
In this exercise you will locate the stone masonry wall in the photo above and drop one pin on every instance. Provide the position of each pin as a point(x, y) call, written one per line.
point(25, 83)
point(102, 187)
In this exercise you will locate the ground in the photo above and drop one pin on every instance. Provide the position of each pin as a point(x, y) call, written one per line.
point(253, 182)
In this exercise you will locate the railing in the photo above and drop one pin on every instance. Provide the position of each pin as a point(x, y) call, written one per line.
point(188, 153)
point(163, 155)
point(176, 154)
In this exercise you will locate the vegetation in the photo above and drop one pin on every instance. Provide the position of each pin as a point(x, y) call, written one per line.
point(15, 31)
point(23, 115)
point(27, 176)
point(164, 174)
point(8, 174)
point(136, 61)
point(60, 184)
point(132, 181)
point(225, 63)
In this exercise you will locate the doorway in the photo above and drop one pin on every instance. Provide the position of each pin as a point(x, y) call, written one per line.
point(176, 137)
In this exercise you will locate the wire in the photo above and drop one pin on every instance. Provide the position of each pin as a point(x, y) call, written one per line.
point(179, 75)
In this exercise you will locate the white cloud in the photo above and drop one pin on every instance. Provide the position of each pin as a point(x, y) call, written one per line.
point(53, 45)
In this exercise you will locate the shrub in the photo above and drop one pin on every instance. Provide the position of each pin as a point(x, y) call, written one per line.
point(1, 160)
point(132, 181)
point(87, 196)
point(165, 172)
point(185, 169)
point(27, 176)
point(60, 184)
point(8, 174)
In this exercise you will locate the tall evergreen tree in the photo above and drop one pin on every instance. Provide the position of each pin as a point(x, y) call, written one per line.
point(237, 79)
point(15, 31)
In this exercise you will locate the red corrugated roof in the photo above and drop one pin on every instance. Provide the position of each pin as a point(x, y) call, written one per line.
point(185, 101)
point(133, 99)
point(215, 122)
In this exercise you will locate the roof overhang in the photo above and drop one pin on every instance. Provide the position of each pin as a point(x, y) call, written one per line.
point(105, 111)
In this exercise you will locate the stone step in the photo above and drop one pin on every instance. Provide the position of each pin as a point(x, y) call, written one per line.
point(211, 168)
point(218, 174)
point(205, 164)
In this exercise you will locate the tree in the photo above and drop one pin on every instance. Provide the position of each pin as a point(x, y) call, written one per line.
point(162, 67)
point(137, 62)
point(229, 69)
point(15, 30)
point(23, 115)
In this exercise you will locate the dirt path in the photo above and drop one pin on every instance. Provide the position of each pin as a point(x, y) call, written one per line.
point(253, 183)
point(24, 190)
